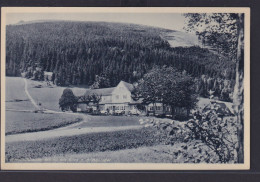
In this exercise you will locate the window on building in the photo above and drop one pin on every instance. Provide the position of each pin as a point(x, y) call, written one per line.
point(124, 96)
point(158, 108)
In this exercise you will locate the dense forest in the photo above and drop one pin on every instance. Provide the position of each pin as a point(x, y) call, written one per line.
point(78, 51)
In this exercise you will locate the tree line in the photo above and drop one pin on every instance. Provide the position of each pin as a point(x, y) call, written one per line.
point(76, 52)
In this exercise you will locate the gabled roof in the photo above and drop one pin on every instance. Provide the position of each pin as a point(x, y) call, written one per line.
point(127, 85)
point(108, 91)
point(100, 91)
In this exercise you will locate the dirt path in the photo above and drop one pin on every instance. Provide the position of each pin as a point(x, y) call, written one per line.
point(47, 110)
point(28, 94)
point(62, 132)
point(70, 130)
point(18, 110)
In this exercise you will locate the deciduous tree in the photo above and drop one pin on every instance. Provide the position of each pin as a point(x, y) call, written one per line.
point(168, 86)
point(101, 82)
point(225, 31)
point(68, 100)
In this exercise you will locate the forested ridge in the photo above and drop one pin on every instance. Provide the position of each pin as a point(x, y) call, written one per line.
point(78, 51)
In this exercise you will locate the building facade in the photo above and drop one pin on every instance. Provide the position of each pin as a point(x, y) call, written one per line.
point(119, 100)
point(113, 100)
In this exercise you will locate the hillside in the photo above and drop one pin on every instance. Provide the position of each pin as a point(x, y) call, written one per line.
point(180, 39)
point(77, 51)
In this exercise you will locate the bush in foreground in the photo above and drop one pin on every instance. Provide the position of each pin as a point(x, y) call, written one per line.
point(205, 138)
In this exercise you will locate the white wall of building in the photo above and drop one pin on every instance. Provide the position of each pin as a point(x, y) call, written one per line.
point(121, 94)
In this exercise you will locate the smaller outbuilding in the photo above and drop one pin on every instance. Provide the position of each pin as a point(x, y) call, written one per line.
point(220, 107)
point(47, 76)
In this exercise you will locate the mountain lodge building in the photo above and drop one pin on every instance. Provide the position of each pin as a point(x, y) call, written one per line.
point(119, 100)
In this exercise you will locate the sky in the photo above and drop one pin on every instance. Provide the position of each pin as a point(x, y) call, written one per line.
point(174, 21)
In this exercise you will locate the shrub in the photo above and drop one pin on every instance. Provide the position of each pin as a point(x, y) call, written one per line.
point(181, 117)
point(214, 131)
point(68, 100)
point(207, 136)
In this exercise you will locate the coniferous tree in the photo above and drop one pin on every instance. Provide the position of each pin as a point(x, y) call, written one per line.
point(52, 45)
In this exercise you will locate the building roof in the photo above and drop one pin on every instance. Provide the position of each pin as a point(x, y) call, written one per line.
point(128, 85)
point(108, 91)
point(221, 108)
point(100, 91)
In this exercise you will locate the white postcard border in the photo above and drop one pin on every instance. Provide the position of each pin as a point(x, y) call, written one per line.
point(129, 166)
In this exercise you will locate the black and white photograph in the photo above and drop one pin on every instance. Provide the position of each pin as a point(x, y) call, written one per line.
point(125, 88)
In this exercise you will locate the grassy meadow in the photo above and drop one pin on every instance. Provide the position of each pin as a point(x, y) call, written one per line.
point(15, 96)
point(82, 144)
point(125, 145)
point(22, 122)
point(110, 121)
point(49, 96)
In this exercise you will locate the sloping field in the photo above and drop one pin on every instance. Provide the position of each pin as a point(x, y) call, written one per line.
point(149, 154)
point(15, 96)
point(22, 122)
point(80, 144)
point(180, 39)
point(49, 96)
point(19, 121)
point(110, 121)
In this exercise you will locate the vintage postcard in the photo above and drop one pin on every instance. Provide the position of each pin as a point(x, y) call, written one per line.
point(125, 88)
